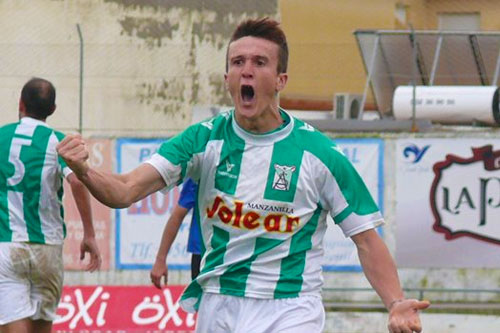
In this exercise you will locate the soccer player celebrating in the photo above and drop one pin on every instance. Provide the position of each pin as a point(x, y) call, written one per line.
point(266, 184)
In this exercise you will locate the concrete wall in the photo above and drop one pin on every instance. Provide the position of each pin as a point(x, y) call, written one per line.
point(146, 62)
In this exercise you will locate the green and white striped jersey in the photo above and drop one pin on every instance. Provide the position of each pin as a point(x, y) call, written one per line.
point(262, 204)
point(31, 183)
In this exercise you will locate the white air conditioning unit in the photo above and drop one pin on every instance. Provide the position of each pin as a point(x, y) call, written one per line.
point(346, 105)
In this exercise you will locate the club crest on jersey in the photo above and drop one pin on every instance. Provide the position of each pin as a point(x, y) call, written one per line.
point(282, 177)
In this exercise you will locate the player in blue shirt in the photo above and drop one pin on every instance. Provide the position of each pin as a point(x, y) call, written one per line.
point(187, 201)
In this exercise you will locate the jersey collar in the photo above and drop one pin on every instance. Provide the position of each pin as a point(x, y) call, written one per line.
point(266, 138)
point(32, 121)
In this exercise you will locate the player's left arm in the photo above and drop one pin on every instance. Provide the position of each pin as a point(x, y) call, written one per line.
point(381, 272)
point(88, 245)
point(160, 269)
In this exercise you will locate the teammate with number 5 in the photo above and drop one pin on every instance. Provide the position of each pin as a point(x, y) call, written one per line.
point(266, 182)
point(32, 229)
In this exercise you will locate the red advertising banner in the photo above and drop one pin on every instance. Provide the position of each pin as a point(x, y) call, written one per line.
point(107, 309)
point(100, 158)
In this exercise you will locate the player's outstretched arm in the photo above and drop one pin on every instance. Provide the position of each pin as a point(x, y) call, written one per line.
point(88, 245)
point(170, 231)
point(380, 270)
point(113, 190)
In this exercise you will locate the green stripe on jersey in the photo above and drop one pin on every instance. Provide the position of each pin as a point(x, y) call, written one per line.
point(292, 267)
point(6, 171)
point(60, 136)
point(22, 136)
point(60, 193)
point(33, 157)
point(283, 171)
point(180, 149)
point(233, 281)
point(228, 169)
point(219, 241)
point(196, 212)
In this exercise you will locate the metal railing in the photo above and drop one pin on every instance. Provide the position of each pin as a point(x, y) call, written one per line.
point(492, 304)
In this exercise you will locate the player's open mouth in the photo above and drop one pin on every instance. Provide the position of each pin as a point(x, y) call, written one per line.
point(247, 93)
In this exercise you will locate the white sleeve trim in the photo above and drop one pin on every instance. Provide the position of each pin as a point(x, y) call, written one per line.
point(169, 172)
point(355, 224)
point(67, 171)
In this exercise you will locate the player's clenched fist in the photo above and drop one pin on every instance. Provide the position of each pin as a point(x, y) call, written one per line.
point(74, 151)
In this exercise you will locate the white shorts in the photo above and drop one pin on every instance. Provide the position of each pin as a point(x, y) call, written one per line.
point(31, 277)
point(223, 313)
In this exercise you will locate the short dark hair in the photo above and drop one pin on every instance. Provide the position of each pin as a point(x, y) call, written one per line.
point(39, 97)
point(265, 28)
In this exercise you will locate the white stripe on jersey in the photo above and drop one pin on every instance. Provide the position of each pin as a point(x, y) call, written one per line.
point(267, 267)
point(252, 184)
point(15, 199)
point(331, 189)
point(207, 181)
point(211, 156)
point(192, 172)
point(235, 253)
point(49, 203)
point(26, 127)
point(16, 217)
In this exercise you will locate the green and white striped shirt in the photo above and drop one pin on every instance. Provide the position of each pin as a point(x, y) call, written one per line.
point(262, 204)
point(31, 183)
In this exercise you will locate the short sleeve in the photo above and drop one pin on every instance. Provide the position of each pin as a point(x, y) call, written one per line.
point(350, 203)
point(62, 163)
